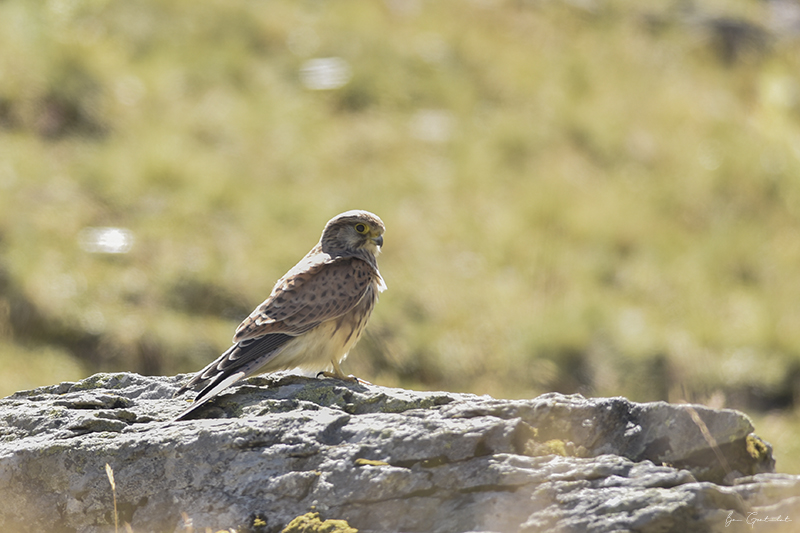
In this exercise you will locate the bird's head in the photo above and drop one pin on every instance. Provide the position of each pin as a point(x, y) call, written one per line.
point(352, 231)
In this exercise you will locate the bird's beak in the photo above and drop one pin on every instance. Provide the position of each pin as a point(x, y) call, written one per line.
point(378, 240)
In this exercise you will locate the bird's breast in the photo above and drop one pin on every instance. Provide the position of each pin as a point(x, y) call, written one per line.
point(331, 340)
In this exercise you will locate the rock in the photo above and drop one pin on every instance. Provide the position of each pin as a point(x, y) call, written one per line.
point(377, 459)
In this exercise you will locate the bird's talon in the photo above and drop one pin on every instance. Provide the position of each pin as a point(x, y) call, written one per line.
point(326, 374)
point(351, 378)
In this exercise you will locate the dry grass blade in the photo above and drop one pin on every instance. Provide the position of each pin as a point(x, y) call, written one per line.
point(110, 474)
point(712, 442)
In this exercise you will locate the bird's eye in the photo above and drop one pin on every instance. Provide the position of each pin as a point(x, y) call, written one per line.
point(361, 228)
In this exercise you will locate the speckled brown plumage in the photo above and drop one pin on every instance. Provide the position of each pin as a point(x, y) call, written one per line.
point(315, 313)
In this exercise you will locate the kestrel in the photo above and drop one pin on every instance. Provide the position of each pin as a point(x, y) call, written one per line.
point(315, 314)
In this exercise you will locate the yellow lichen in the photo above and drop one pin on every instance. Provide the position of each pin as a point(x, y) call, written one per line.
point(311, 523)
point(556, 447)
point(370, 462)
point(757, 448)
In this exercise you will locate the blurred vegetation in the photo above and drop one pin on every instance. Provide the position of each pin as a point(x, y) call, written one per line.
point(590, 196)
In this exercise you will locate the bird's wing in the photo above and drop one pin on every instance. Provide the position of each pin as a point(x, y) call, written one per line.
point(236, 357)
point(304, 299)
point(238, 361)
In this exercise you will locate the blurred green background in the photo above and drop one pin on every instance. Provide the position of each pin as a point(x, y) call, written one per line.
point(580, 196)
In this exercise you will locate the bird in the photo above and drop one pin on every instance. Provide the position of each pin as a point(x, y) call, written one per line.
point(314, 315)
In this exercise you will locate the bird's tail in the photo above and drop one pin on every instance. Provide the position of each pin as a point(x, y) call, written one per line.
point(210, 392)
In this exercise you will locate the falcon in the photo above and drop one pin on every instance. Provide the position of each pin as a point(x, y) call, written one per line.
point(315, 314)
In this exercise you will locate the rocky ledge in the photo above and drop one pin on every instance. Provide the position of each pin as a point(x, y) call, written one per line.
point(297, 454)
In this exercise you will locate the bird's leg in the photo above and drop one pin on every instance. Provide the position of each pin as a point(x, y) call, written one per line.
point(338, 374)
point(337, 371)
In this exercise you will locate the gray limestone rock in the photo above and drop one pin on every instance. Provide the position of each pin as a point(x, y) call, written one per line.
point(278, 447)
